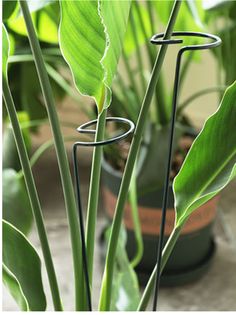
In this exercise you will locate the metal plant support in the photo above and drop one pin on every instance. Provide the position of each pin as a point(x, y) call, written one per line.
point(157, 39)
point(83, 129)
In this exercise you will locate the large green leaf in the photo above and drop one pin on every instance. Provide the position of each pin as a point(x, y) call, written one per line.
point(23, 262)
point(91, 37)
point(211, 161)
point(16, 207)
point(14, 288)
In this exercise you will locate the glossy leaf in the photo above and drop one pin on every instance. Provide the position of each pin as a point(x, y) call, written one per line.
point(211, 161)
point(14, 288)
point(91, 37)
point(22, 260)
point(16, 204)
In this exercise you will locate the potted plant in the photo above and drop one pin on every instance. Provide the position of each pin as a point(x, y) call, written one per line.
point(151, 164)
point(28, 290)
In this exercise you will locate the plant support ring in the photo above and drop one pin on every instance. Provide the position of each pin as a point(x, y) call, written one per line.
point(159, 40)
point(83, 129)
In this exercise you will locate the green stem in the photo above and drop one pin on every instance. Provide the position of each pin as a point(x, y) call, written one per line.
point(138, 52)
point(94, 193)
point(130, 108)
point(165, 256)
point(131, 77)
point(40, 122)
point(136, 221)
point(160, 87)
point(198, 94)
point(106, 289)
point(61, 156)
point(29, 58)
point(42, 149)
point(56, 76)
point(34, 200)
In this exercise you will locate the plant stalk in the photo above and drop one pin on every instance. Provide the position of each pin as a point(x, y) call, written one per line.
point(165, 256)
point(160, 93)
point(94, 193)
point(131, 77)
point(106, 289)
point(136, 221)
point(33, 196)
point(66, 179)
point(138, 53)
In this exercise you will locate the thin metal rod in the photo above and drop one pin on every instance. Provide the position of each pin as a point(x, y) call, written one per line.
point(155, 40)
point(166, 187)
point(83, 129)
point(81, 223)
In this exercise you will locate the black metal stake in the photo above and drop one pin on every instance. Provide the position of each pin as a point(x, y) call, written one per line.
point(154, 40)
point(82, 129)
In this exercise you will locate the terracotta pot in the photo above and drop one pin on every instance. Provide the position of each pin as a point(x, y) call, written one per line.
point(195, 247)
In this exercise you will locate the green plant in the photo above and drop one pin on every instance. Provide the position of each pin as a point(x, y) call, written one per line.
point(93, 77)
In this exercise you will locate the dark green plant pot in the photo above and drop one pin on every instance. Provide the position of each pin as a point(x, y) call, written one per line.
point(195, 247)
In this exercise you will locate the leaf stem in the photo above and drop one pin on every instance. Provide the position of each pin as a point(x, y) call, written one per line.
point(131, 77)
point(160, 93)
point(61, 155)
point(94, 192)
point(165, 256)
point(138, 52)
point(136, 221)
point(34, 200)
point(106, 290)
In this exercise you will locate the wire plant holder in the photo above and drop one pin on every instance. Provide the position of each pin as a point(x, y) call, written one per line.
point(157, 39)
point(83, 129)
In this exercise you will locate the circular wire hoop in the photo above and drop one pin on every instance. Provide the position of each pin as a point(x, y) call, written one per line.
point(83, 129)
point(156, 40)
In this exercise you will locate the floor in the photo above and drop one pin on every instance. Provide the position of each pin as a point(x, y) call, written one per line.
point(214, 292)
